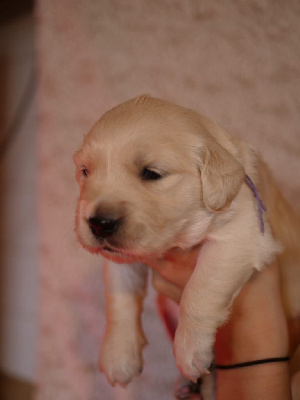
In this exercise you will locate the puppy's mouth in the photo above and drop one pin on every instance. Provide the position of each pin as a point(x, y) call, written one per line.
point(116, 250)
point(115, 254)
point(109, 249)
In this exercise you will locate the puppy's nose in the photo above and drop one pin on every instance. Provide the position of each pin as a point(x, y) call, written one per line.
point(103, 227)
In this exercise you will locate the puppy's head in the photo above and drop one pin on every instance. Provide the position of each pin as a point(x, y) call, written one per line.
point(151, 178)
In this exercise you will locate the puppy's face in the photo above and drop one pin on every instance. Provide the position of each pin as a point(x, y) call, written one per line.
point(140, 188)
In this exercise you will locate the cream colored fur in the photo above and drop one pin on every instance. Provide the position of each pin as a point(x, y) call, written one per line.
point(201, 206)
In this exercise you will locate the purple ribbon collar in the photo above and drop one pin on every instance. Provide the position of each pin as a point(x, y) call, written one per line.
point(260, 204)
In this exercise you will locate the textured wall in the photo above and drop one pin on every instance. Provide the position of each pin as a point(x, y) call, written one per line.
point(235, 61)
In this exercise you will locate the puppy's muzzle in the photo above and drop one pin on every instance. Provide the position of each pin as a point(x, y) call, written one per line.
point(103, 227)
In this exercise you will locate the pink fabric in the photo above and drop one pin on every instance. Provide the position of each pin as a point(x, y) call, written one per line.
point(235, 61)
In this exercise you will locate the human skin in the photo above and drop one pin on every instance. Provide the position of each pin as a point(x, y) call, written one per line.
point(256, 329)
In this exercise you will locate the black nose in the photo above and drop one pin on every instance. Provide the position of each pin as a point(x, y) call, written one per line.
point(103, 227)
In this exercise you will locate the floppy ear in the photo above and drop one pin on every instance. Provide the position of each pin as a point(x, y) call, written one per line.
point(222, 176)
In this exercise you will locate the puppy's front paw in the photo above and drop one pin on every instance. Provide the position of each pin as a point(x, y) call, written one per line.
point(193, 350)
point(121, 357)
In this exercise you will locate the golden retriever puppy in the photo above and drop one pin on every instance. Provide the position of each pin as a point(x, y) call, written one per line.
point(159, 181)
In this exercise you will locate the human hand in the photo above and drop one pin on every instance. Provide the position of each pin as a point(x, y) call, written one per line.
point(256, 329)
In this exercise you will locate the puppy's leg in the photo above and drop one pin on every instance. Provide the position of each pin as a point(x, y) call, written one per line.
point(218, 276)
point(184, 389)
point(121, 351)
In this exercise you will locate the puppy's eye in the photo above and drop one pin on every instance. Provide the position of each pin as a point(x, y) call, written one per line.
point(150, 175)
point(84, 171)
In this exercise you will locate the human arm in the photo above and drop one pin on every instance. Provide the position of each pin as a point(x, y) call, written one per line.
point(255, 330)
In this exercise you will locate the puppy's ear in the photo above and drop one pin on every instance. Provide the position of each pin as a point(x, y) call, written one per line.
point(222, 176)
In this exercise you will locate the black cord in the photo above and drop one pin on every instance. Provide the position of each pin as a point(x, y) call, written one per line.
point(255, 362)
point(21, 112)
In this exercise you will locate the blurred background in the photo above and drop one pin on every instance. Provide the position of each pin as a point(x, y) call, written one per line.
point(18, 185)
point(64, 63)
